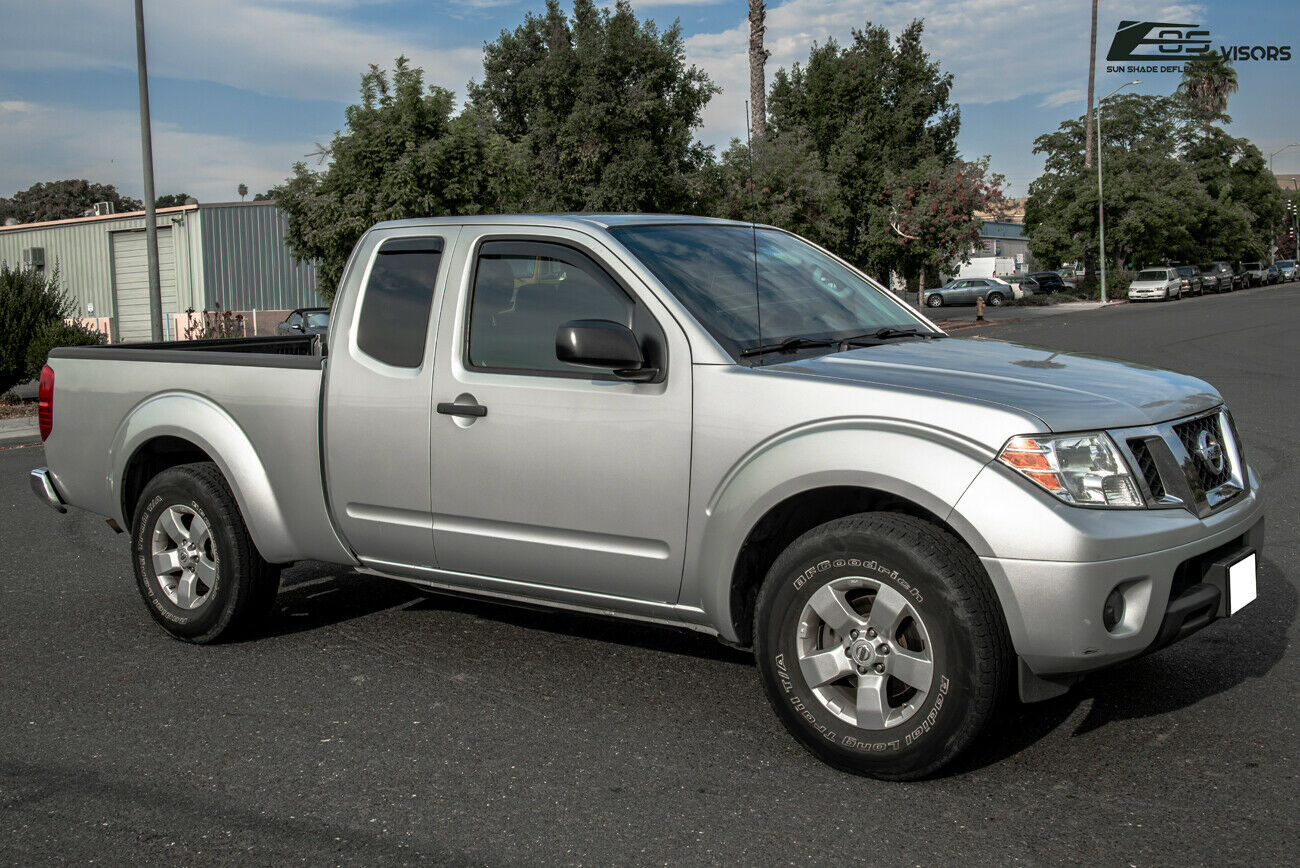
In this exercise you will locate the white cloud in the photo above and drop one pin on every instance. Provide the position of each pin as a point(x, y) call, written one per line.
point(105, 146)
point(995, 49)
point(1062, 97)
point(263, 46)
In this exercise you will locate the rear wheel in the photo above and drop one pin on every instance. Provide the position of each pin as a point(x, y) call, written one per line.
point(935, 300)
point(881, 645)
point(196, 567)
point(995, 299)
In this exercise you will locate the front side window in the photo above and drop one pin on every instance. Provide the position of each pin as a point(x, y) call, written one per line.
point(395, 310)
point(523, 292)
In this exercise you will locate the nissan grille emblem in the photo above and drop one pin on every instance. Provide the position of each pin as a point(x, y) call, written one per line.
point(1210, 451)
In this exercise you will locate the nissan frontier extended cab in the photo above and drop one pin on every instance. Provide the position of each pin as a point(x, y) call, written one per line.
point(694, 422)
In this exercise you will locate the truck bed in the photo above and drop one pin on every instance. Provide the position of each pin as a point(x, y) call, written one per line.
point(259, 396)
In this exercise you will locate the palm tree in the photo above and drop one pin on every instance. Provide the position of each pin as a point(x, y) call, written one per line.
point(1092, 78)
point(1208, 81)
point(757, 59)
point(243, 191)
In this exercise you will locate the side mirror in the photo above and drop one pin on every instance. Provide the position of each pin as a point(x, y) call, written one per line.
point(600, 343)
point(296, 327)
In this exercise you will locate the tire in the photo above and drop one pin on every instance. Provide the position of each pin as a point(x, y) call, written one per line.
point(948, 613)
point(994, 299)
point(215, 584)
point(935, 300)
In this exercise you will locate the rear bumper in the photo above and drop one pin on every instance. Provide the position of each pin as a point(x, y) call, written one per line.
point(43, 488)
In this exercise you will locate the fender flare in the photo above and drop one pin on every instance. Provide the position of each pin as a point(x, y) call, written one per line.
point(927, 466)
point(209, 427)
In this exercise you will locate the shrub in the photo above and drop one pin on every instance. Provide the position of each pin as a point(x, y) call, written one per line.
point(32, 313)
point(216, 323)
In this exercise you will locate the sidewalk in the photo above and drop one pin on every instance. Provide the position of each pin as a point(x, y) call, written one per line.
point(20, 430)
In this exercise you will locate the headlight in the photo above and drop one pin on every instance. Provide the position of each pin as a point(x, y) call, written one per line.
point(1081, 469)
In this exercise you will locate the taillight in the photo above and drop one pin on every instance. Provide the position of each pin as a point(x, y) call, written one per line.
point(45, 402)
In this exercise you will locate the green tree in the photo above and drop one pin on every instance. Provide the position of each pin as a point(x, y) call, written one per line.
point(33, 310)
point(781, 183)
point(1150, 193)
point(242, 190)
point(602, 106)
point(62, 200)
point(879, 117)
point(1208, 81)
point(403, 155)
point(171, 200)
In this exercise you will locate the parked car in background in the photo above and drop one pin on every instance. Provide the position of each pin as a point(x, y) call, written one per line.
point(1256, 273)
point(966, 290)
point(1191, 281)
point(1217, 276)
point(1286, 268)
point(1155, 284)
point(305, 320)
point(1272, 275)
point(1051, 281)
point(1022, 285)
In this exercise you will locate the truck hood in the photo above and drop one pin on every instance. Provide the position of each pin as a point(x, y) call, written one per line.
point(1067, 391)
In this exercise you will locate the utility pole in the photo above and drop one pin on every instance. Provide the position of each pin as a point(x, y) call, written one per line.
point(1101, 201)
point(146, 155)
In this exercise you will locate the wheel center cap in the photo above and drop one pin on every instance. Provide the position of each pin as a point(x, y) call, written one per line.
point(861, 652)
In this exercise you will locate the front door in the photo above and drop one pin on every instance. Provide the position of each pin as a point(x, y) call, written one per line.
point(570, 477)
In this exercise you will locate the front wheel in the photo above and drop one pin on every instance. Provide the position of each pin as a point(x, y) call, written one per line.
point(881, 645)
point(196, 567)
point(994, 299)
point(935, 300)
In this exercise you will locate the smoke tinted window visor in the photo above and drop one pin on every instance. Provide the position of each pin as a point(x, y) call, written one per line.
point(399, 297)
point(801, 292)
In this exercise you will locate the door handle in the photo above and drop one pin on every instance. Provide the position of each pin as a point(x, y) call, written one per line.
point(475, 410)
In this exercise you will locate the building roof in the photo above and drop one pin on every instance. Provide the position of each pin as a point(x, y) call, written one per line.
point(1288, 182)
point(101, 218)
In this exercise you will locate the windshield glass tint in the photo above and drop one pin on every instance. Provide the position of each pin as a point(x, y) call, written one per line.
point(802, 292)
point(318, 320)
point(1152, 275)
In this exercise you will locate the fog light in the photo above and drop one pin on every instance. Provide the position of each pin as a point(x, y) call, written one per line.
point(1112, 612)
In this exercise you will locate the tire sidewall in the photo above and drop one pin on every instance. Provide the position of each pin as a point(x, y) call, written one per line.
point(177, 489)
point(922, 740)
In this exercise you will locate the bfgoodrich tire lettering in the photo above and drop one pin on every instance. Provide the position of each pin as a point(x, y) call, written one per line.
point(196, 567)
point(908, 566)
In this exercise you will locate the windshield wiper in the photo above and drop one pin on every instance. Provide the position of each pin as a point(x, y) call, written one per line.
point(887, 333)
point(789, 345)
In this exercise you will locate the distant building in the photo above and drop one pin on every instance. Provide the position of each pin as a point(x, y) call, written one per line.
point(231, 253)
point(1002, 239)
point(1289, 183)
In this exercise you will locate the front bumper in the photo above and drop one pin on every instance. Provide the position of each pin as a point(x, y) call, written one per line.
point(1053, 570)
point(1144, 294)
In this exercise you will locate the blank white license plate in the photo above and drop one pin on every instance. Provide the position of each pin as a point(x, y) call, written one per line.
point(1241, 584)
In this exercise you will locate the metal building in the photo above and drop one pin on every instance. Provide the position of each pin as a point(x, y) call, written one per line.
point(231, 253)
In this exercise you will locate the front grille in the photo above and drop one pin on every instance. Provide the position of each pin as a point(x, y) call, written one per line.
point(1189, 433)
point(1147, 467)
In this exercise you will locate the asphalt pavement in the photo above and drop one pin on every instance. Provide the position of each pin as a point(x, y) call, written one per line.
point(376, 725)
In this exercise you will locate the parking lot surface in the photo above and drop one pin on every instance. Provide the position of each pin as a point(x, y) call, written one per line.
point(376, 725)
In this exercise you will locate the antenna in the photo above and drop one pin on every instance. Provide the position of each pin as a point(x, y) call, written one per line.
point(753, 201)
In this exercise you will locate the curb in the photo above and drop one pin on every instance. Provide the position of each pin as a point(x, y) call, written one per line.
point(22, 430)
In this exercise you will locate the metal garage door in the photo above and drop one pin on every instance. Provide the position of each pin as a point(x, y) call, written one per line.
point(131, 282)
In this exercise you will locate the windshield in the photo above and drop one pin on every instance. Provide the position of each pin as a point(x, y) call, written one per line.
point(318, 320)
point(1152, 275)
point(1285, 263)
point(801, 292)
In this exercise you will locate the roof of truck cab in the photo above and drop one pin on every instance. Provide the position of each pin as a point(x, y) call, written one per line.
point(603, 221)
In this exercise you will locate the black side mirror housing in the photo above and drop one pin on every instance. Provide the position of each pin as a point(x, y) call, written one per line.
point(600, 343)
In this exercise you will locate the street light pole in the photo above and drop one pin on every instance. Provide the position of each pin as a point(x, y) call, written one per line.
point(1101, 202)
point(1275, 153)
point(146, 156)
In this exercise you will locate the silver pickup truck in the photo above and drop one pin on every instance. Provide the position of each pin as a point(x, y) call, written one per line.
point(693, 422)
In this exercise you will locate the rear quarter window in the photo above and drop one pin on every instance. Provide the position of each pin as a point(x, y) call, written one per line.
point(398, 299)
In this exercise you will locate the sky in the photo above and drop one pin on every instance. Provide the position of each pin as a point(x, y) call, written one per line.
point(241, 89)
